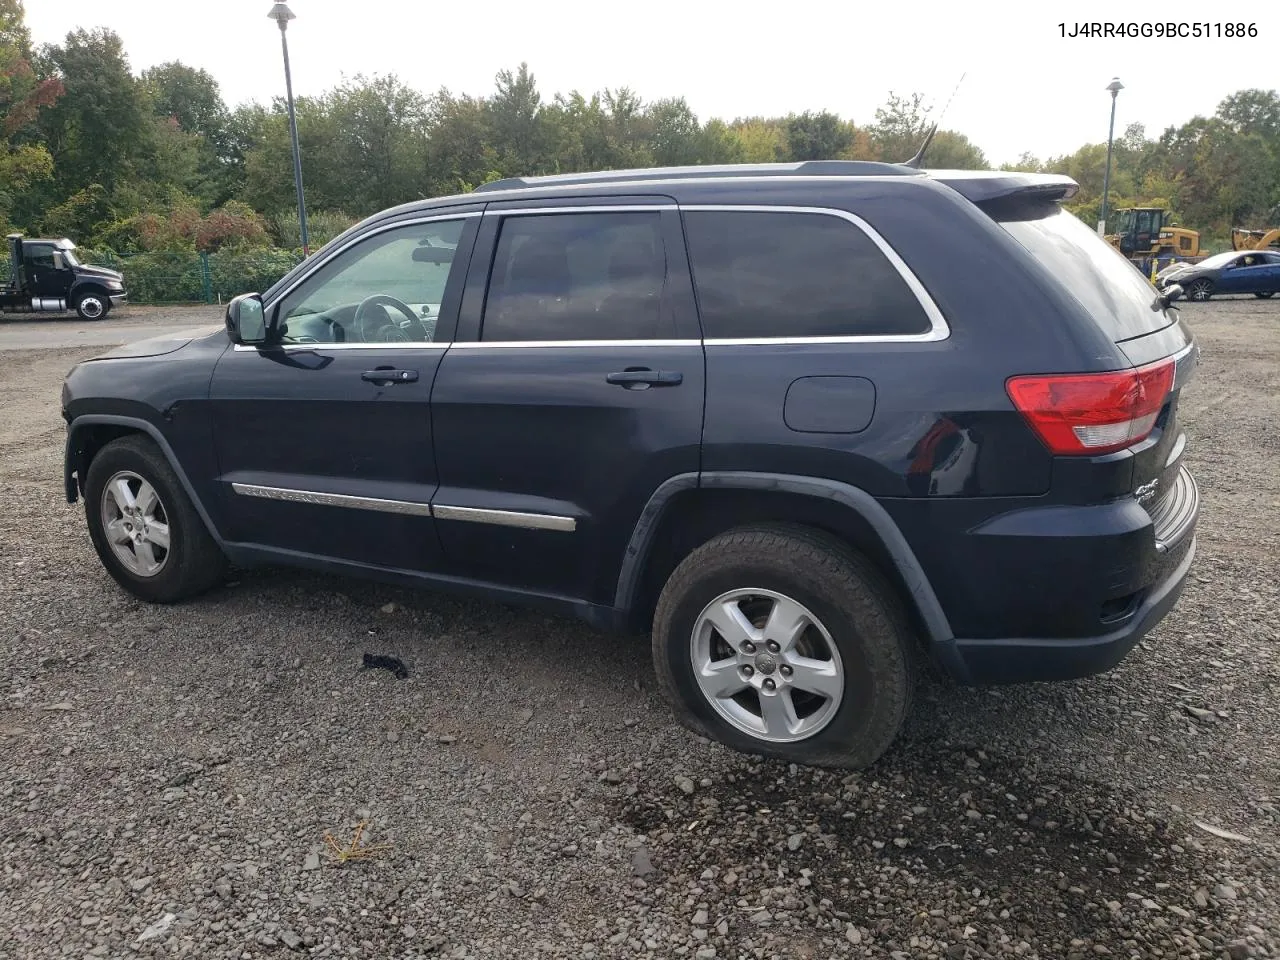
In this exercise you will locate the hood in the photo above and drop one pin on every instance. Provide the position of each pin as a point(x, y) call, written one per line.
point(100, 272)
point(151, 347)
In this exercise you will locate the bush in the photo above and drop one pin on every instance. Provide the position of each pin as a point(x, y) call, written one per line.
point(234, 272)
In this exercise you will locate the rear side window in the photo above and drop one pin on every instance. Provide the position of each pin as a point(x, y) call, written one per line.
point(579, 276)
point(1116, 294)
point(767, 274)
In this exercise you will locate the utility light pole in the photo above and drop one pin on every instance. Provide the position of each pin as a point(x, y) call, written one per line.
point(281, 14)
point(1115, 86)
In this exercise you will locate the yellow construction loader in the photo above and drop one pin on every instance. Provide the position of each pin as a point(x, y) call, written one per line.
point(1147, 233)
point(1242, 239)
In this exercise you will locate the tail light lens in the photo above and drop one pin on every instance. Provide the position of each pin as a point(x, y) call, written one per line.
point(1092, 413)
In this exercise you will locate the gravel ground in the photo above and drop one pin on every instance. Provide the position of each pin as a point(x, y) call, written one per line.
point(124, 324)
point(170, 774)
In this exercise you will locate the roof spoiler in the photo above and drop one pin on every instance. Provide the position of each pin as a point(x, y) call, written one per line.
point(984, 186)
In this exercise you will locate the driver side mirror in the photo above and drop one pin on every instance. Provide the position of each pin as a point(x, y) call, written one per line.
point(247, 320)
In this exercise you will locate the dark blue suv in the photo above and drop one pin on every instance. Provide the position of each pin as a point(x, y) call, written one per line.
point(804, 423)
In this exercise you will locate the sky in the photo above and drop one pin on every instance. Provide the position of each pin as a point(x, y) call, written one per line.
point(1026, 87)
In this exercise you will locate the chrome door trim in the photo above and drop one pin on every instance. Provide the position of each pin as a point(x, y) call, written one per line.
point(507, 518)
point(406, 507)
point(504, 518)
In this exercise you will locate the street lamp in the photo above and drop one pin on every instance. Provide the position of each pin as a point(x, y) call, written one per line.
point(1115, 86)
point(281, 14)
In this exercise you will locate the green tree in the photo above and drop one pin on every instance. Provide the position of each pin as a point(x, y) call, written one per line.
point(817, 136)
point(22, 96)
point(99, 125)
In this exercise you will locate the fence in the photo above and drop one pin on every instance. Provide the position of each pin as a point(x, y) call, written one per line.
point(189, 277)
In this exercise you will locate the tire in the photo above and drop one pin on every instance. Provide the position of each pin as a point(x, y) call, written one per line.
point(1200, 290)
point(857, 612)
point(92, 305)
point(192, 562)
point(1265, 296)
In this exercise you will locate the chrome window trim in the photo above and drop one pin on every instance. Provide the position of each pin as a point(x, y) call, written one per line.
point(516, 344)
point(304, 347)
point(592, 208)
point(938, 327)
point(332, 499)
point(506, 518)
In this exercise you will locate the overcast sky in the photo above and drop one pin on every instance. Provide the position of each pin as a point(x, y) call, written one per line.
point(1027, 88)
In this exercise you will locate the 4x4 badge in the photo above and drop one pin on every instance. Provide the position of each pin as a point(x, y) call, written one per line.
point(1146, 491)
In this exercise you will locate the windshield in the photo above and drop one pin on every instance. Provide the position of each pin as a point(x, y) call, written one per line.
point(1118, 297)
point(70, 259)
point(1216, 260)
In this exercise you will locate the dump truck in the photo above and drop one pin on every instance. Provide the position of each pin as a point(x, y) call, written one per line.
point(47, 277)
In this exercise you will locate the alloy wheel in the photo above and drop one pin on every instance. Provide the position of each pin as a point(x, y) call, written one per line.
point(136, 524)
point(767, 665)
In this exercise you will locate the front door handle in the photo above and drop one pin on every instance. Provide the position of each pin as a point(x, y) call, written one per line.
point(641, 378)
point(385, 375)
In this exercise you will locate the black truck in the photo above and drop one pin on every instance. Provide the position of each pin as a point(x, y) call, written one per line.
point(47, 278)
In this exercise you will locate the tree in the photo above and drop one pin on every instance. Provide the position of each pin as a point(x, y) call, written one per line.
point(99, 125)
point(817, 136)
point(22, 96)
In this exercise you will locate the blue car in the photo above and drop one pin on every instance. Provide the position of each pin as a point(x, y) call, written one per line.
point(1235, 273)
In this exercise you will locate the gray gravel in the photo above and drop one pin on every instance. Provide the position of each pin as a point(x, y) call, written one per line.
point(124, 324)
point(171, 773)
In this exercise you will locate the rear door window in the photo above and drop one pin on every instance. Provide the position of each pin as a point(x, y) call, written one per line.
point(782, 275)
point(1114, 292)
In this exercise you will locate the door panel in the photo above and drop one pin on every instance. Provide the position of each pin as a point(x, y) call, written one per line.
point(324, 442)
point(581, 395)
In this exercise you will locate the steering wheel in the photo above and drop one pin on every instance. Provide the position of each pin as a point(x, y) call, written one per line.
point(386, 331)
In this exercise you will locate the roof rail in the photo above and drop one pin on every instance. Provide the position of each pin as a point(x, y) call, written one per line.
point(807, 168)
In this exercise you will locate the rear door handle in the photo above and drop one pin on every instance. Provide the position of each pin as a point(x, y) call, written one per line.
point(640, 378)
point(389, 375)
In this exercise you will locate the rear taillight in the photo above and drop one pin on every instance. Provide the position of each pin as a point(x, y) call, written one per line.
point(1091, 413)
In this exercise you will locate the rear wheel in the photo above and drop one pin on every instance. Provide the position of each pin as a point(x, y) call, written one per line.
point(1200, 290)
point(1265, 296)
point(781, 642)
point(93, 305)
point(143, 526)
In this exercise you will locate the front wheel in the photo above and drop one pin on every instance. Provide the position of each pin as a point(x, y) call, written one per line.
point(780, 642)
point(143, 525)
point(93, 306)
point(1200, 290)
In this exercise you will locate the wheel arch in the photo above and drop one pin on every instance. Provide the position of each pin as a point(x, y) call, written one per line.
point(689, 510)
point(89, 433)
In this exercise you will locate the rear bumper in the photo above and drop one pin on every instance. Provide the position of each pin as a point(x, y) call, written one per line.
point(1024, 660)
point(1092, 583)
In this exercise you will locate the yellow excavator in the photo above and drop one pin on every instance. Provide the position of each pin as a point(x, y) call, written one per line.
point(1147, 233)
point(1242, 239)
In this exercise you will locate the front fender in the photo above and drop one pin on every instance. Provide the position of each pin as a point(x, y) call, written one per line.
point(73, 458)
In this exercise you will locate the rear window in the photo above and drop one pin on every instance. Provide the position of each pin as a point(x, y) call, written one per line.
point(1116, 294)
point(779, 274)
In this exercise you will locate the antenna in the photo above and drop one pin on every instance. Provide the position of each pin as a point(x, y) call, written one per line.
point(918, 159)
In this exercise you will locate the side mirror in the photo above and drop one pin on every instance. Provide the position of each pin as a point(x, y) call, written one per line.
point(247, 320)
point(1170, 293)
point(59, 262)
